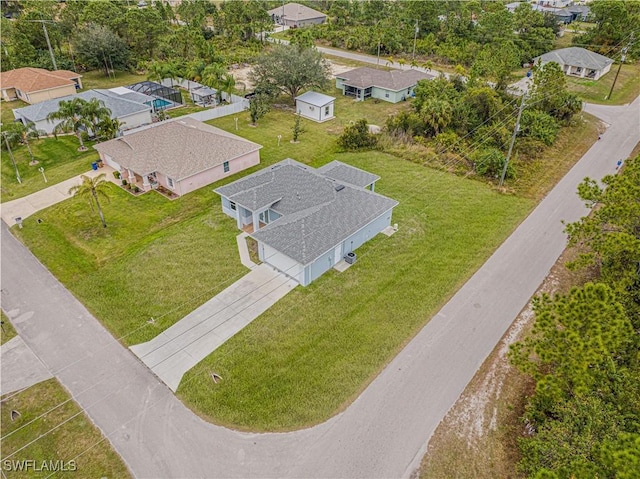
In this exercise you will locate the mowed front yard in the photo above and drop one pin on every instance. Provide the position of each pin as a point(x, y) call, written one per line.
point(316, 349)
point(626, 89)
point(60, 159)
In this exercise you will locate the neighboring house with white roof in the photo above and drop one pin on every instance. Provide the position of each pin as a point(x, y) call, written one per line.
point(132, 113)
point(295, 15)
point(578, 62)
point(392, 86)
point(315, 106)
point(35, 85)
point(181, 155)
point(307, 220)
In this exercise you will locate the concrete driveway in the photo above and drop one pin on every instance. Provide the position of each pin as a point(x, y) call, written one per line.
point(382, 434)
point(176, 350)
point(31, 204)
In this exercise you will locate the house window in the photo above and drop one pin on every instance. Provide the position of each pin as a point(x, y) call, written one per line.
point(225, 165)
point(326, 110)
point(386, 95)
point(170, 183)
point(232, 205)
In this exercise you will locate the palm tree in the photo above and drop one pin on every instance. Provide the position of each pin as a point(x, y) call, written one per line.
point(95, 111)
point(108, 128)
point(71, 114)
point(227, 85)
point(212, 77)
point(92, 189)
point(20, 132)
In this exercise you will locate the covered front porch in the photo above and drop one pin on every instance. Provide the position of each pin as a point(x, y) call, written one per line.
point(356, 92)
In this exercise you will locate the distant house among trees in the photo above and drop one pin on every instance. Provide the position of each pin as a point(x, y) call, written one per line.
point(392, 86)
point(34, 85)
point(578, 62)
point(295, 15)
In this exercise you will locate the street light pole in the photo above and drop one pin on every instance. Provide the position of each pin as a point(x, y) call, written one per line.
point(12, 158)
point(513, 138)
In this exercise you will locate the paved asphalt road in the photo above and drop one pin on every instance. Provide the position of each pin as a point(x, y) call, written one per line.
point(382, 434)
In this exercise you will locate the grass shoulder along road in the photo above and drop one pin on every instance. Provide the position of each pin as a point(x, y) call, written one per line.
point(7, 331)
point(46, 431)
point(59, 157)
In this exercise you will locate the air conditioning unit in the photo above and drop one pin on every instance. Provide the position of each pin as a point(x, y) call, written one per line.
point(350, 258)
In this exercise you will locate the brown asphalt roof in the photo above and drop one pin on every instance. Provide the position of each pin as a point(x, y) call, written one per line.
point(394, 80)
point(29, 79)
point(178, 149)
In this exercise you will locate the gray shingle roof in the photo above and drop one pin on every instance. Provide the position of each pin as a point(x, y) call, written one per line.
point(120, 107)
point(315, 98)
point(178, 149)
point(316, 216)
point(576, 57)
point(297, 12)
point(348, 174)
point(394, 80)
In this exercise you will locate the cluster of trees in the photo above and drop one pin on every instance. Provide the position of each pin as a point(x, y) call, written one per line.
point(116, 34)
point(81, 116)
point(474, 121)
point(484, 35)
point(614, 23)
point(583, 350)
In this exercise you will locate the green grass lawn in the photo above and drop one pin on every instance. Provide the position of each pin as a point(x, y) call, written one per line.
point(97, 79)
point(313, 352)
point(627, 86)
point(7, 331)
point(7, 108)
point(77, 440)
point(60, 159)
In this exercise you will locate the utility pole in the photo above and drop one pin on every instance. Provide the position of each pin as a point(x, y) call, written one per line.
point(622, 59)
point(12, 158)
point(513, 138)
point(46, 36)
point(415, 38)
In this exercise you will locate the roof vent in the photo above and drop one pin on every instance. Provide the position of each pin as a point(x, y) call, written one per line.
point(339, 187)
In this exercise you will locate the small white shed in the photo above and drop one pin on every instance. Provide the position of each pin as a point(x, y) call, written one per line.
point(315, 106)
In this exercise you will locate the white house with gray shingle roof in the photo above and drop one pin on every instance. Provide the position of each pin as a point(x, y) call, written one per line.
point(579, 62)
point(306, 220)
point(392, 86)
point(132, 112)
point(181, 155)
point(295, 15)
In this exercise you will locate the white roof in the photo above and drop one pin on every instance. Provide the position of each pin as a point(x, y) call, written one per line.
point(315, 98)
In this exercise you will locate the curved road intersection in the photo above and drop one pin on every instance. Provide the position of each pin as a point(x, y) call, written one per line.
point(382, 434)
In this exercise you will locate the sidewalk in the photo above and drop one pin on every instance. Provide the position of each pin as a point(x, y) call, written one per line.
point(28, 205)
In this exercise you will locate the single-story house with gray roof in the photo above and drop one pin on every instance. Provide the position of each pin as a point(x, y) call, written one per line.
point(315, 106)
point(306, 220)
point(392, 86)
point(181, 155)
point(131, 113)
point(295, 15)
point(579, 62)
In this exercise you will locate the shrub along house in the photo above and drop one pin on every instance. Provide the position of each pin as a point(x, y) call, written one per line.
point(306, 220)
point(181, 155)
point(392, 86)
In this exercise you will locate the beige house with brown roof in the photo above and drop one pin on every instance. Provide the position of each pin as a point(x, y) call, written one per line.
point(181, 155)
point(33, 85)
point(392, 86)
